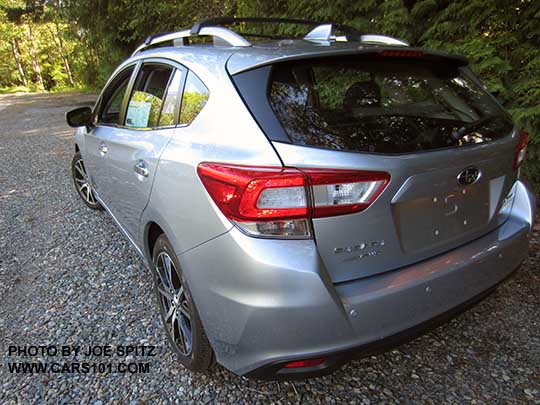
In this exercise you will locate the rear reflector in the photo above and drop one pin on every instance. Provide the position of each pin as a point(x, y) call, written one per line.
point(304, 363)
point(278, 202)
point(521, 149)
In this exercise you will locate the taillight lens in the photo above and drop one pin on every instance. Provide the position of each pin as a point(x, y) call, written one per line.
point(278, 202)
point(338, 192)
point(255, 193)
point(521, 149)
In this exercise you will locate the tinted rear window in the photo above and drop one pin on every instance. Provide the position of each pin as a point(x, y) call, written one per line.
point(382, 105)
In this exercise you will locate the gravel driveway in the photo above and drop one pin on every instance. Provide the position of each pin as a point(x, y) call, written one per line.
point(68, 277)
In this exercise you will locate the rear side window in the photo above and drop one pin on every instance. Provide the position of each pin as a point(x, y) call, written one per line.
point(194, 99)
point(382, 106)
point(171, 103)
point(113, 96)
point(144, 107)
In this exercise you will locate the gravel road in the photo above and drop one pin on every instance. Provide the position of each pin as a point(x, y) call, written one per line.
point(68, 277)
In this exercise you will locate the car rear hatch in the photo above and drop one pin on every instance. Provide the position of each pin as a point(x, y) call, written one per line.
point(424, 119)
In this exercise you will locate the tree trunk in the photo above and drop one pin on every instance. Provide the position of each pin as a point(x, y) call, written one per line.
point(35, 62)
point(63, 54)
point(16, 56)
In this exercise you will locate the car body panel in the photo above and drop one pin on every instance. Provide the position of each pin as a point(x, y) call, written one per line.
point(285, 307)
point(94, 160)
point(127, 192)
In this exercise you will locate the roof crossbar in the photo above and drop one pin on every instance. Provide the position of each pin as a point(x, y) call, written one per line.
point(353, 32)
point(224, 36)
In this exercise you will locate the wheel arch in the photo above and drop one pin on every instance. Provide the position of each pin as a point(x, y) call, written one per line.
point(152, 232)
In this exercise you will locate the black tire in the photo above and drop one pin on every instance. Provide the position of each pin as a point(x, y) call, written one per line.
point(82, 185)
point(200, 355)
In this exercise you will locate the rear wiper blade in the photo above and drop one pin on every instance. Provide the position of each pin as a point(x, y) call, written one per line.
point(472, 126)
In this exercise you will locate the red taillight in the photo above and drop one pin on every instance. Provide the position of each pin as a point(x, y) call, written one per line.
point(236, 191)
point(304, 363)
point(278, 201)
point(521, 149)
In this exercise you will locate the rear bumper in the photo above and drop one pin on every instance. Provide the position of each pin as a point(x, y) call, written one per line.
point(265, 302)
point(335, 360)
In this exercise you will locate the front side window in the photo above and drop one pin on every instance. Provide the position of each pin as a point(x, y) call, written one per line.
point(111, 102)
point(382, 106)
point(194, 98)
point(146, 99)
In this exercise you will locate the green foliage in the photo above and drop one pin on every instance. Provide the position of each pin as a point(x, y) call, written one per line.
point(192, 103)
point(501, 38)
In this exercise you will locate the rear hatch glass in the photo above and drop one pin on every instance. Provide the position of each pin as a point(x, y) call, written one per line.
point(382, 105)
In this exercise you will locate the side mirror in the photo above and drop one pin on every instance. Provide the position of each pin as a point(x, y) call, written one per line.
point(79, 117)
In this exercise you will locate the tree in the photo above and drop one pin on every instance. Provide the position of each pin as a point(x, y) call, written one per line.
point(81, 41)
point(36, 66)
point(17, 58)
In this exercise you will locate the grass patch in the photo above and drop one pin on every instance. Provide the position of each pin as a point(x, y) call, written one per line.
point(15, 89)
point(60, 89)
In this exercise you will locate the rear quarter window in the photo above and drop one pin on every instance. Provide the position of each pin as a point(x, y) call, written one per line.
point(194, 98)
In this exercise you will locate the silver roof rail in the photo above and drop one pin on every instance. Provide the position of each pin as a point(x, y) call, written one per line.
point(323, 33)
point(221, 35)
point(382, 39)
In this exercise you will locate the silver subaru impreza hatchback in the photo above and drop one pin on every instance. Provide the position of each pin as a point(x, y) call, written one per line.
point(301, 201)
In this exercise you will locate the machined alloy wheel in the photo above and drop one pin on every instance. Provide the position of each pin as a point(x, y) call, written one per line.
point(173, 303)
point(80, 178)
point(179, 314)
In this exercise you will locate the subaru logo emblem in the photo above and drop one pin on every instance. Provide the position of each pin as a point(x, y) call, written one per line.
point(468, 176)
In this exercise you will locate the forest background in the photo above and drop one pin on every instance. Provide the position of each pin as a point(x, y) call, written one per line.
point(58, 45)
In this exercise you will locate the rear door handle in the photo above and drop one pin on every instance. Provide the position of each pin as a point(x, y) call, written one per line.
point(103, 148)
point(140, 168)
